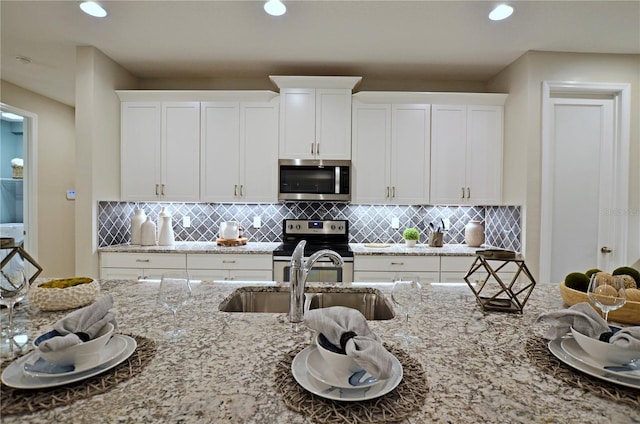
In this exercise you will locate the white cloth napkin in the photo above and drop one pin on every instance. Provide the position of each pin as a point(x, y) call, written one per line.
point(628, 337)
point(81, 325)
point(587, 321)
point(580, 316)
point(365, 348)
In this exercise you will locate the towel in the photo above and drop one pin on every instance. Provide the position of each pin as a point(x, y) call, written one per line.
point(81, 325)
point(364, 347)
point(580, 316)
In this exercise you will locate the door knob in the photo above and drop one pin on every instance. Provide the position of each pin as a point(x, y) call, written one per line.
point(605, 249)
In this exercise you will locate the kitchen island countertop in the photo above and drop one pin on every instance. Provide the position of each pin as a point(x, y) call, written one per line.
point(475, 363)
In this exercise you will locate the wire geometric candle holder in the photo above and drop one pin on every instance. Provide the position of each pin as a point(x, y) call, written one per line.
point(500, 283)
point(11, 252)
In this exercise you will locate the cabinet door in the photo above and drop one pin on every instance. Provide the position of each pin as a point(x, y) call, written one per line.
point(297, 123)
point(410, 153)
point(484, 154)
point(251, 275)
point(371, 151)
point(181, 151)
point(140, 150)
point(448, 153)
point(220, 151)
point(259, 152)
point(333, 124)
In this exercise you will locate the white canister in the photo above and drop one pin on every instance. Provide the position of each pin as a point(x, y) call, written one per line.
point(148, 233)
point(136, 226)
point(163, 212)
point(474, 234)
point(166, 237)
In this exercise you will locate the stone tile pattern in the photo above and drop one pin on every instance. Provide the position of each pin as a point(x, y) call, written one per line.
point(368, 223)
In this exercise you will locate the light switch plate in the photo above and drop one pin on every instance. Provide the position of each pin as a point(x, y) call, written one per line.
point(257, 222)
point(186, 221)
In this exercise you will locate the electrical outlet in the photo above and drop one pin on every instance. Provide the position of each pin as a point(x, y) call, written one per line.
point(257, 222)
point(395, 222)
point(186, 221)
point(447, 224)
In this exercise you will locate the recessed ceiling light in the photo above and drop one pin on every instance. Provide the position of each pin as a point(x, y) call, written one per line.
point(275, 8)
point(501, 12)
point(94, 9)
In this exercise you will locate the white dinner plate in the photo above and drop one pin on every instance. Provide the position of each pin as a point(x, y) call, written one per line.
point(317, 387)
point(14, 376)
point(571, 346)
point(318, 369)
point(114, 347)
point(555, 346)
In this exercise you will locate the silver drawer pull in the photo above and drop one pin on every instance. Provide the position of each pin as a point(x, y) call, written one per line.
point(397, 263)
point(142, 260)
point(228, 262)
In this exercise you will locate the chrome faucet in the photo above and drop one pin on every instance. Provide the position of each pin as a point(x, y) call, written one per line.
point(298, 273)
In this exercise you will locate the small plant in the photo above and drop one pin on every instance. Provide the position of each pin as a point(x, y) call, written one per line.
point(411, 234)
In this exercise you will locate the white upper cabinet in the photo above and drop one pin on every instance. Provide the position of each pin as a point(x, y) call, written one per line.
point(160, 149)
point(315, 117)
point(466, 154)
point(239, 151)
point(391, 153)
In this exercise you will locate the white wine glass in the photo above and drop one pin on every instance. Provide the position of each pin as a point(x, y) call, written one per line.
point(175, 291)
point(14, 286)
point(607, 293)
point(407, 295)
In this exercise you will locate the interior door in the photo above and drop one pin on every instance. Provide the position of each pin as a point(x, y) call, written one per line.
point(581, 176)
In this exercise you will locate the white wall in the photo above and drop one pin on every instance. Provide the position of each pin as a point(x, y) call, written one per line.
point(55, 170)
point(98, 146)
point(522, 170)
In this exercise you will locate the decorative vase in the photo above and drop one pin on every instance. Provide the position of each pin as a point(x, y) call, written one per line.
point(163, 213)
point(148, 233)
point(411, 243)
point(136, 226)
point(474, 234)
point(166, 237)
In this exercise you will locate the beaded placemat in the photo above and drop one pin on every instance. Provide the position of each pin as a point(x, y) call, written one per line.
point(394, 406)
point(18, 401)
point(538, 352)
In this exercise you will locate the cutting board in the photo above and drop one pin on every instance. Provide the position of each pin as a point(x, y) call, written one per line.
point(240, 241)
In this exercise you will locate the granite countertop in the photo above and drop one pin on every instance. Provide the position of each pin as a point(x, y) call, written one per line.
point(262, 248)
point(194, 247)
point(476, 367)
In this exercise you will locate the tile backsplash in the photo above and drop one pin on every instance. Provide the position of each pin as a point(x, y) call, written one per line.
point(367, 223)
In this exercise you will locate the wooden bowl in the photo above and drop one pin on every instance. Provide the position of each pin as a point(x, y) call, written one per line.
point(628, 314)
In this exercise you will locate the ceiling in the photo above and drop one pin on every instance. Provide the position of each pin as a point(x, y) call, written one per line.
point(384, 40)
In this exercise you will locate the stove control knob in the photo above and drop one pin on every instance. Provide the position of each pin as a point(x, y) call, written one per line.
point(333, 227)
point(297, 226)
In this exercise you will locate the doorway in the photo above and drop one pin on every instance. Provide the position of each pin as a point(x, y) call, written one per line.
point(584, 193)
point(20, 193)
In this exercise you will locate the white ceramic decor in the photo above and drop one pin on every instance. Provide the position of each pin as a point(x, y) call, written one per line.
point(136, 226)
point(148, 233)
point(166, 237)
point(474, 234)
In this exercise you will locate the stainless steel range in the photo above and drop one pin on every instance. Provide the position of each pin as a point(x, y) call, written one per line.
point(319, 234)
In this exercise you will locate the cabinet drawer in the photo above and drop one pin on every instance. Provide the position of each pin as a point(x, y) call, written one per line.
point(143, 260)
point(397, 263)
point(456, 263)
point(226, 261)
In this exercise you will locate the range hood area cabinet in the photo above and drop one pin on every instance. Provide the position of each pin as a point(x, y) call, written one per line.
point(239, 151)
point(160, 151)
point(315, 117)
point(466, 154)
point(391, 152)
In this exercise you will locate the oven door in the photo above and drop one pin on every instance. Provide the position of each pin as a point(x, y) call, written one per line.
point(323, 271)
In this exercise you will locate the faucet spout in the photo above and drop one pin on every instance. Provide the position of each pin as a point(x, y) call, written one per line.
point(298, 273)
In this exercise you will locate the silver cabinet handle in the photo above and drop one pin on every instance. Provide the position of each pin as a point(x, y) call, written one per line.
point(157, 187)
point(605, 249)
point(468, 193)
point(162, 189)
point(235, 189)
point(228, 262)
point(241, 190)
point(317, 148)
point(393, 191)
point(387, 192)
point(462, 188)
point(312, 147)
point(397, 263)
point(142, 260)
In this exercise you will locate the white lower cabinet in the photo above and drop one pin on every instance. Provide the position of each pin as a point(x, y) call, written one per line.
point(384, 268)
point(242, 267)
point(135, 266)
point(454, 268)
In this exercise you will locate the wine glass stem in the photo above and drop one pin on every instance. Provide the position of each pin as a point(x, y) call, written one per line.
point(10, 329)
point(406, 322)
point(606, 315)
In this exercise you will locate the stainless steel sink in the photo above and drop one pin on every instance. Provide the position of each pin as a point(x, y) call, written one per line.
point(371, 302)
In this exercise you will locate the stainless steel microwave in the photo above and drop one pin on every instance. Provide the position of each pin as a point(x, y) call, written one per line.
point(310, 179)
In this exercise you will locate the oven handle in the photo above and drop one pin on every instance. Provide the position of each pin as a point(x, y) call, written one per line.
point(324, 260)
